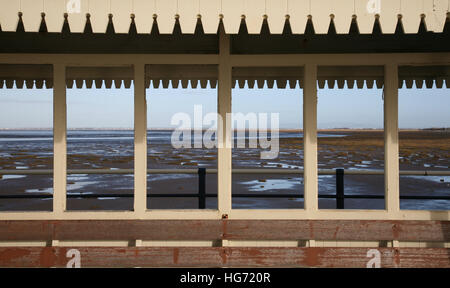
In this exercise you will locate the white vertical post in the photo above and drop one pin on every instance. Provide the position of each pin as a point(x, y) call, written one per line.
point(310, 137)
point(59, 139)
point(391, 165)
point(140, 140)
point(224, 131)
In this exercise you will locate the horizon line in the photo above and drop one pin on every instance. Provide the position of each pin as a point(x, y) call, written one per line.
point(171, 128)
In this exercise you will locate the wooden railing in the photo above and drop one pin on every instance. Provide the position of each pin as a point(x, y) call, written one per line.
point(140, 234)
point(202, 194)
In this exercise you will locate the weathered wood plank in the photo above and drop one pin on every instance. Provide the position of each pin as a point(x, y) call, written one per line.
point(223, 257)
point(110, 230)
point(339, 230)
point(344, 230)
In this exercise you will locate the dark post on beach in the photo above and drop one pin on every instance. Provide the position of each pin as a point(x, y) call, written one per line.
point(201, 188)
point(340, 188)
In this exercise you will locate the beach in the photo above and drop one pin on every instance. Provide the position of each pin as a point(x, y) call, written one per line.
point(113, 149)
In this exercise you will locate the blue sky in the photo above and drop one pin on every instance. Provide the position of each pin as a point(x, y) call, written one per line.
point(113, 108)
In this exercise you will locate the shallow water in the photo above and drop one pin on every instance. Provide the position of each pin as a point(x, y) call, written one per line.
point(114, 149)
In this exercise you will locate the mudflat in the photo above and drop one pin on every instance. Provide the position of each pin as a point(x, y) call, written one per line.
point(346, 148)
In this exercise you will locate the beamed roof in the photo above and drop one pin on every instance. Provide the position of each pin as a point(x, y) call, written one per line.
point(81, 33)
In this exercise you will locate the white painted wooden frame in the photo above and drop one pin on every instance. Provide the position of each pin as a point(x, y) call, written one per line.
point(225, 61)
point(59, 139)
point(310, 138)
point(230, 11)
point(391, 145)
point(224, 157)
point(140, 141)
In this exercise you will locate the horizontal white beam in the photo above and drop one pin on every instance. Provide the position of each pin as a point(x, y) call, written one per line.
point(95, 60)
point(284, 60)
point(261, 214)
point(334, 70)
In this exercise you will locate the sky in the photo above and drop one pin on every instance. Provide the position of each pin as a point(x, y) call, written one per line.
point(113, 108)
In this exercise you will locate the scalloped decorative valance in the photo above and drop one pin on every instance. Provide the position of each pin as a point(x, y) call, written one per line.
point(341, 15)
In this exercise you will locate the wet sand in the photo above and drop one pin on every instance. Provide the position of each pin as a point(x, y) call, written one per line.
point(359, 149)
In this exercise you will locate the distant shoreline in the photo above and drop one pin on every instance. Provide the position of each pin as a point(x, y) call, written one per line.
point(280, 130)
